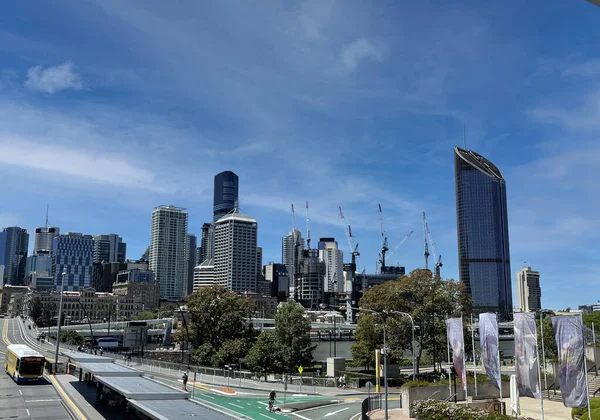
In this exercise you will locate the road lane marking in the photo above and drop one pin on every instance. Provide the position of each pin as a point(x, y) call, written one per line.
point(235, 405)
point(300, 416)
point(20, 392)
point(67, 398)
point(46, 400)
point(272, 418)
point(29, 415)
point(333, 413)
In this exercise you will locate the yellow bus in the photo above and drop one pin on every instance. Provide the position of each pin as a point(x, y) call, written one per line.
point(23, 363)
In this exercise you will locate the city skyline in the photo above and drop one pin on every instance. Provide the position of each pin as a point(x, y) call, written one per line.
point(347, 106)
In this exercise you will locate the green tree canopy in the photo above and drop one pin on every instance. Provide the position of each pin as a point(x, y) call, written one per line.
point(220, 325)
point(71, 337)
point(49, 311)
point(265, 356)
point(36, 310)
point(427, 299)
point(145, 315)
point(292, 331)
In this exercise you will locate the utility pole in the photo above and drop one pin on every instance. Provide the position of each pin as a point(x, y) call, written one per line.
point(60, 309)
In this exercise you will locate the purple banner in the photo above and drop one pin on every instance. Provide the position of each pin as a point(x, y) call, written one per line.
point(488, 340)
point(457, 343)
point(526, 355)
point(571, 353)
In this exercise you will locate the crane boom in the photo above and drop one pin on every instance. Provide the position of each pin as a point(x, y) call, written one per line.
point(384, 241)
point(401, 242)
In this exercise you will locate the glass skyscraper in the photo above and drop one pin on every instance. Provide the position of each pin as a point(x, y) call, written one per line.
point(226, 194)
point(14, 244)
point(482, 229)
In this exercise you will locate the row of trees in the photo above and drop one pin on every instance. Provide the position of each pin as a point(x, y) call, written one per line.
point(42, 314)
point(222, 333)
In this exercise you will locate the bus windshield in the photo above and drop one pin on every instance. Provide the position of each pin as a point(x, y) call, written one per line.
point(31, 366)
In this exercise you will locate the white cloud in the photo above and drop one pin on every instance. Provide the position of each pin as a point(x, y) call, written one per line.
point(103, 168)
point(53, 79)
point(359, 50)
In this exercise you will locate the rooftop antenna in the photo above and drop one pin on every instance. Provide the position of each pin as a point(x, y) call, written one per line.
point(47, 209)
point(465, 135)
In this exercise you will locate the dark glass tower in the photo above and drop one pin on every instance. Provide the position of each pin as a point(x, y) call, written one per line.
point(226, 194)
point(482, 228)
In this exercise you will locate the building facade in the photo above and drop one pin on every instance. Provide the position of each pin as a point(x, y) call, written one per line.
point(169, 250)
point(482, 230)
point(14, 245)
point(191, 262)
point(235, 252)
point(206, 245)
point(109, 248)
point(43, 239)
point(204, 274)
point(135, 275)
point(292, 246)
point(334, 265)
point(6, 293)
point(279, 279)
point(38, 262)
point(73, 254)
point(310, 280)
point(225, 194)
point(146, 294)
point(529, 292)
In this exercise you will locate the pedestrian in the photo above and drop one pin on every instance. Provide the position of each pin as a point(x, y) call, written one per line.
point(318, 372)
point(185, 379)
point(101, 351)
point(343, 381)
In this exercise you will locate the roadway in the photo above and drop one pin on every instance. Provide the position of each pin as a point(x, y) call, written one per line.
point(26, 401)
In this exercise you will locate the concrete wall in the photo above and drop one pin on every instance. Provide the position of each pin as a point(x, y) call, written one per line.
point(441, 392)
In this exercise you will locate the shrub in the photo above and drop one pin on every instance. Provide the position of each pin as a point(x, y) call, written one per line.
point(442, 410)
point(595, 414)
point(578, 412)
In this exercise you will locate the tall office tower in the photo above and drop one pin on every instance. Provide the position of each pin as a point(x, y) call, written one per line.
point(198, 256)
point(278, 276)
point(482, 230)
point(14, 244)
point(204, 275)
point(168, 251)
point(73, 254)
point(235, 252)
point(310, 279)
point(206, 243)
point(259, 266)
point(334, 265)
point(43, 239)
point(109, 248)
point(292, 246)
point(226, 194)
point(191, 262)
point(529, 292)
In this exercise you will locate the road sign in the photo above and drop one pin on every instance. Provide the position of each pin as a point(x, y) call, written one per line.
point(300, 369)
point(369, 385)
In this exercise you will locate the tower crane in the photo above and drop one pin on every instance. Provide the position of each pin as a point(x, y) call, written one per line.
point(384, 241)
point(426, 254)
point(348, 231)
point(437, 259)
point(401, 242)
point(307, 228)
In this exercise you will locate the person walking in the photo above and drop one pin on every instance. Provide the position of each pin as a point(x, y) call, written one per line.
point(185, 379)
point(101, 351)
point(272, 396)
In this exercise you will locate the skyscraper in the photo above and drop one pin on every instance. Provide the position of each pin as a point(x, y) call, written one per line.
point(291, 253)
point(109, 248)
point(14, 244)
point(529, 292)
point(43, 239)
point(482, 230)
point(168, 251)
point(310, 279)
point(191, 262)
point(206, 245)
point(235, 252)
point(334, 265)
point(225, 194)
point(73, 254)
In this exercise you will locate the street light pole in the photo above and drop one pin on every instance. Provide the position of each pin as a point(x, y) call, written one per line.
point(60, 308)
point(385, 352)
point(412, 321)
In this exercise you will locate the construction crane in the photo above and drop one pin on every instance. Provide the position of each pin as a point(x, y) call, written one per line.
point(426, 254)
point(401, 242)
point(307, 228)
point(348, 231)
point(384, 241)
point(437, 259)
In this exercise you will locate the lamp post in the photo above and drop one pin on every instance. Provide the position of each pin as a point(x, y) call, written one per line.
point(60, 308)
point(187, 332)
point(385, 352)
point(412, 321)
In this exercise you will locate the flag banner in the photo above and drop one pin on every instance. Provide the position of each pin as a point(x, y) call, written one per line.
point(457, 343)
point(514, 395)
point(526, 355)
point(167, 333)
point(488, 340)
point(571, 371)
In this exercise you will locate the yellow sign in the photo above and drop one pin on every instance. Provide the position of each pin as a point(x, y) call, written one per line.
point(300, 369)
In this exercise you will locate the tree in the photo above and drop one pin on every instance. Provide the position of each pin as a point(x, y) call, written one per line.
point(220, 325)
point(49, 312)
point(368, 336)
point(549, 343)
point(265, 356)
point(427, 299)
point(71, 337)
point(145, 315)
point(292, 331)
point(36, 310)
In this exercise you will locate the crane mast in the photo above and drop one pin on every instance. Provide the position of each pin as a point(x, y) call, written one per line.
point(307, 228)
point(384, 241)
point(426, 253)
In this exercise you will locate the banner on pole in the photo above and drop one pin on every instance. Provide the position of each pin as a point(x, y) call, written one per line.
point(571, 371)
point(457, 343)
point(526, 355)
point(514, 395)
point(167, 333)
point(488, 340)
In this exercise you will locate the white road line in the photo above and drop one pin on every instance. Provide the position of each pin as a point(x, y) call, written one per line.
point(49, 400)
point(333, 413)
point(28, 412)
point(272, 418)
point(235, 405)
point(20, 392)
point(300, 416)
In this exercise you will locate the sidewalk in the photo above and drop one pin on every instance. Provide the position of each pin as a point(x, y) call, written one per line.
point(553, 410)
point(393, 414)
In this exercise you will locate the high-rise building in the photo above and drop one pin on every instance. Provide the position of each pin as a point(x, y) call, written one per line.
point(14, 244)
point(291, 253)
point(225, 194)
point(482, 230)
point(334, 265)
point(278, 276)
point(198, 256)
point(169, 250)
point(43, 239)
point(310, 279)
point(191, 262)
point(235, 252)
point(206, 244)
point(38, 262)
point(109, 248)
point(529, 292)
point(259, 254)
point(204, 274)
point(73, 254)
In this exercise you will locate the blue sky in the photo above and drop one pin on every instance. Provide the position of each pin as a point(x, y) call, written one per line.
point(110, 108)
